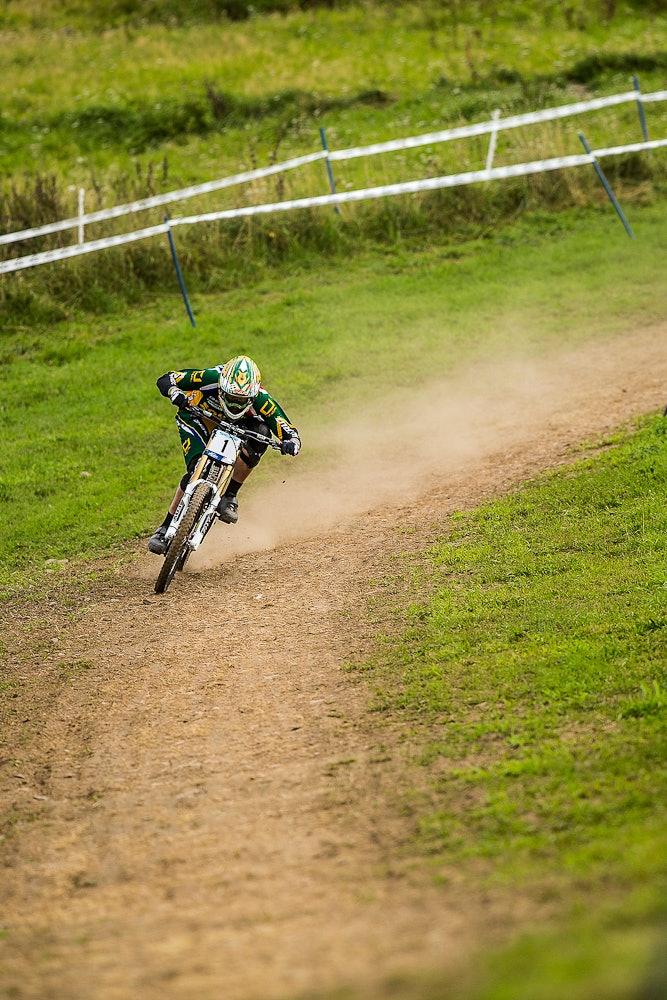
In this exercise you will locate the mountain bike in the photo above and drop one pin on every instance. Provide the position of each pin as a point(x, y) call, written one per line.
point(198, 507)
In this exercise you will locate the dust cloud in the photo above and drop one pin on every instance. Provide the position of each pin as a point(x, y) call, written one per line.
point(399, 444)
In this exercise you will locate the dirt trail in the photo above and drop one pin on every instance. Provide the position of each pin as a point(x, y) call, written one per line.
point(206, 809)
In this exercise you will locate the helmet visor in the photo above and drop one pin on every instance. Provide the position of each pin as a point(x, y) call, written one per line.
point(236, 403)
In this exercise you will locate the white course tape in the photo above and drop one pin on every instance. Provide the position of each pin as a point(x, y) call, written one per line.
point(636, 147)
point(430, 184)
point(386, 190)
point(446, 135)
point(18, 263)
point(161, 199)
point(496, 125)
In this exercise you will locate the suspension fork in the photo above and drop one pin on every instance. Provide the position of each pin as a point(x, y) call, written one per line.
point(217, 484)
point(196, 478)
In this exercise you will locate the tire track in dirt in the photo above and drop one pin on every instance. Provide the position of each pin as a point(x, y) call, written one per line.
point(215, 812)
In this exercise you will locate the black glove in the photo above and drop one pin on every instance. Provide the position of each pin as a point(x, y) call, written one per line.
point(290, 447)
point(178, 398)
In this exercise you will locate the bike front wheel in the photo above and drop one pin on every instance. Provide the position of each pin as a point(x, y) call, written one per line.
point(179, 550)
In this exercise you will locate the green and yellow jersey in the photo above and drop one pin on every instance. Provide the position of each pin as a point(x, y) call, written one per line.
point(201, 386)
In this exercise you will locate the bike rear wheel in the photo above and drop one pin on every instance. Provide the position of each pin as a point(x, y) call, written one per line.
point(178, 551)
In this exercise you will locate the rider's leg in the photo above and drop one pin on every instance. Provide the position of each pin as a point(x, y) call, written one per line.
point(180, 490)
point(247, 459)
point(194, 434)
point(241, 472)
point(157, 542)
point(228, 508)
point(178, 496)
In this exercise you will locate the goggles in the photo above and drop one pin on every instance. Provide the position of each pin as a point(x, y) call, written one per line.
point(236, 403)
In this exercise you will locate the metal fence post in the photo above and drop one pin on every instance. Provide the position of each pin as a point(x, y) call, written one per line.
point(174, 257)
point(605, 183)
point(640, 109)
point(332, 182)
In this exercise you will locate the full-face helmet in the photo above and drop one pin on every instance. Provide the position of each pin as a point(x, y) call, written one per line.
point(238, 386)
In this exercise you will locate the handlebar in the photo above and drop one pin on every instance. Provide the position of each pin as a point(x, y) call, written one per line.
point(239, 432)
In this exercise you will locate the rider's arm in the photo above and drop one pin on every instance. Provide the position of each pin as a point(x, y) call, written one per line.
point(272, 412)
point(188, 379)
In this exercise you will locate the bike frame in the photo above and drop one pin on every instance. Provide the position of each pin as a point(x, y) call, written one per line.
point(208, 482)
point(222, 450)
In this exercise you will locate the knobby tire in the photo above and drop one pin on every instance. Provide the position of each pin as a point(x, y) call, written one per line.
point(178, 551)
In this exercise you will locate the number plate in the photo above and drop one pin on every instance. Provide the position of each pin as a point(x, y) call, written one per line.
point(223, 446)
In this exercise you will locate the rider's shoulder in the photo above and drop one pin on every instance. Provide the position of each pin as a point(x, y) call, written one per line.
point(263, 397)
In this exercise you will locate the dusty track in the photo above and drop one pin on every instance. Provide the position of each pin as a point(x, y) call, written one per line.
point(204, 808)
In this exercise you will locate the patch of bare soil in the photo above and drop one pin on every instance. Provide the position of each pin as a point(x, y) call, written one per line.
point(196, 801)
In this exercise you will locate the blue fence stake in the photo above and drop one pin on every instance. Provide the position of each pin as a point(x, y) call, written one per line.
point(174, 256)
point(332, 182)
point(640, 108)
point(605, 183)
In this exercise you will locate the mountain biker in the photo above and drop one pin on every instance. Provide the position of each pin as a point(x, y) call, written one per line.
point(232, 392)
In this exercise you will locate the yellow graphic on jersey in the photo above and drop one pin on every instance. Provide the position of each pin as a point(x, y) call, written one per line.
point(267, 408)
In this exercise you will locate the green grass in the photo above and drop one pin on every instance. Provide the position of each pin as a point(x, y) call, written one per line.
point(145, 107)
point(535, 682)
point(531, 685)
point(206, 98)
point(544, 653)
point(91, 456)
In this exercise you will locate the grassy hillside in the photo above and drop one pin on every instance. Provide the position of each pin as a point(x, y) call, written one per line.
point(533, 683)
point(152, 105)
point(107, 457)
point(544, 654)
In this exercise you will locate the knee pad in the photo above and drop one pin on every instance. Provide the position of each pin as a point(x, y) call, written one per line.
point(251, 453)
